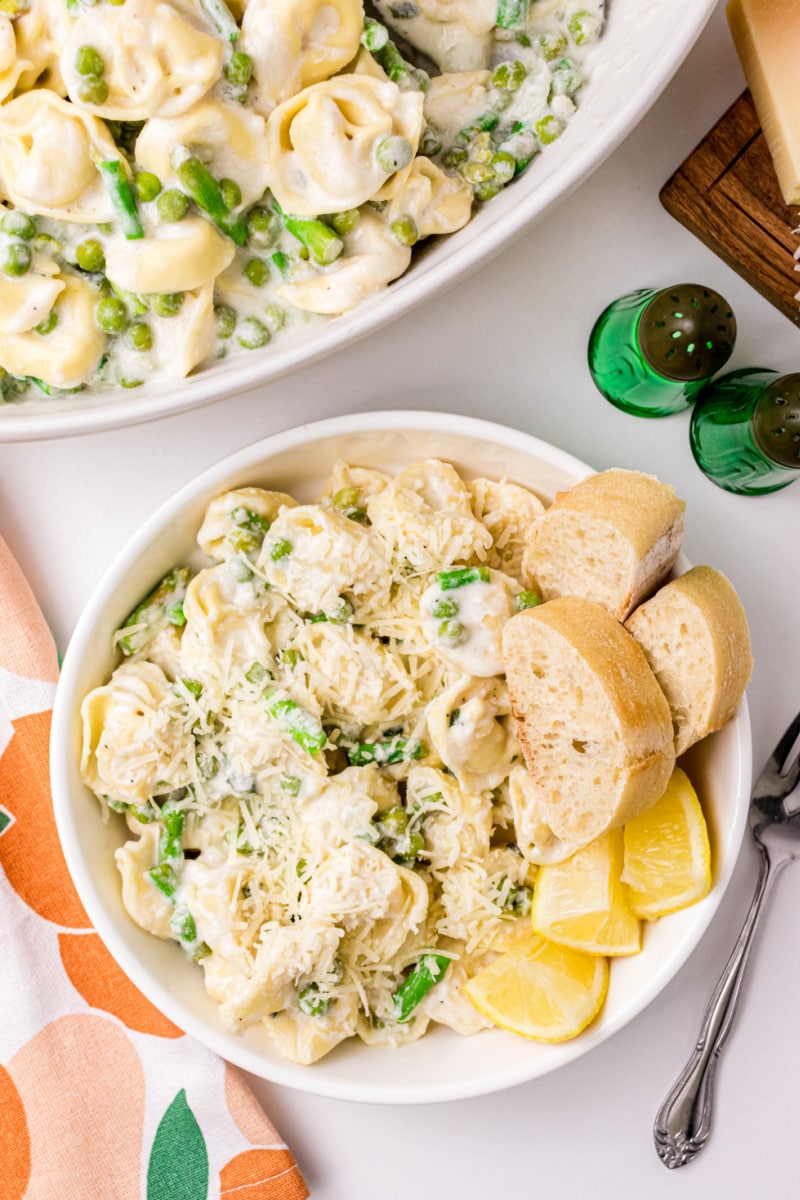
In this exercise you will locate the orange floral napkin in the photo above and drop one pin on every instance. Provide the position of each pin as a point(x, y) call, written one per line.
point(102, 1098)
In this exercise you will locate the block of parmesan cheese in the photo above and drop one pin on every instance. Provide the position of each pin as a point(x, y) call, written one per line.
point(767, 38)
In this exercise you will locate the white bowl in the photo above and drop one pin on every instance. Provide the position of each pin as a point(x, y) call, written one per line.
point(643, 45)
point(442, 1065)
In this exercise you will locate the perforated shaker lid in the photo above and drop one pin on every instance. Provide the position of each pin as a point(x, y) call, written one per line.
point(687, 332)
point(776, 420)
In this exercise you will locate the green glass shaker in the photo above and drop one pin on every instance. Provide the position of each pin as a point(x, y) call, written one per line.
point(651, 352)
point(745, 430)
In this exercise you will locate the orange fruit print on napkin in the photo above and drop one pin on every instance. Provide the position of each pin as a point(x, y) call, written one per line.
point(102, 1097)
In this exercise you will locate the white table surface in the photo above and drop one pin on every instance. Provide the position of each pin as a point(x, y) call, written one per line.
point(509, 344)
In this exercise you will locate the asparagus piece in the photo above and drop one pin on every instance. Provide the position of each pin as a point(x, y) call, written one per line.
point(318, 238)
point(428, 971)
point(201, 186)
point(170, 843)
point(164, 878)
point(221, 18)
point(461, 576)
point(122, 196)
point(300, 724)
point(162, 607)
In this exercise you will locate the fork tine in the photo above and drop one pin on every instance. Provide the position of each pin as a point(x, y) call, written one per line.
point(778, 760)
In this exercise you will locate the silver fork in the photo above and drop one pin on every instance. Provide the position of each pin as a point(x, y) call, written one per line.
point(683, 1121)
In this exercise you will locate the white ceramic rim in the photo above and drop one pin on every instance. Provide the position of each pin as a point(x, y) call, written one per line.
point(159, 993)
point(458, 261)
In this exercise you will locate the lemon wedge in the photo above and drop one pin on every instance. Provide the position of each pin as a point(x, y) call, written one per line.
point(667, 860)
point(581, 902)
point(540, 990)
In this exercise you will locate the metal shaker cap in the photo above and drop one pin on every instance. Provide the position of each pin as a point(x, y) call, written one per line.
point(687, 332)
point(776, 421)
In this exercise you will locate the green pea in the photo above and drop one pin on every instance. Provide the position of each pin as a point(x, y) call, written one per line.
point(263, 227)
point(583, 27)
point(89, 255)
point(238, 69)
point(47, 244)
point(130, 383)
point(430, 145)
point(504, 166)
point(393, 153)
point(510, 76)
point(280, 549)
point(453, 632)
point(18, 225)
point(485, 191)
point(252, 334)
point(343, 222)
point(17, 259)
point(548, 129)
point(477, 172)
point(276, 316)
point(394, 822)
point(226, 320)
point(48, 324)
point(166, 304)
point(443, 609)
point(256, 272)
point(347, 497)
point(404, 229)
point(566, 78)
point(147, 186)
point(111, 315)
point(343, 613)
point(551, 45)
point(139, 336)
point(89, 61)
point(527, 599)
point(93, 90)
point(231, 193)
point(454, 158)
point(172, 205)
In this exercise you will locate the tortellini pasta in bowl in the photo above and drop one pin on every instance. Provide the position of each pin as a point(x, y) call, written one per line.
point(308, 771)
point(296, 809)
point(212, 178)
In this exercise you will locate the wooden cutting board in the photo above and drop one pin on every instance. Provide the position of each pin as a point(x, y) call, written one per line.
point(727, 194)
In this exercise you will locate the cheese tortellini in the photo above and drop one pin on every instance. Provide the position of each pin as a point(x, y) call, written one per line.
point(61, 357)
point(48, 150)
point(176, 258)
point(157, 61)
point(296, 43)
point(325, 142)
point(324, 799)
point(220, 174)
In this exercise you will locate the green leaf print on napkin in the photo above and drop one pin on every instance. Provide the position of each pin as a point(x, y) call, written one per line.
point(178, 1168)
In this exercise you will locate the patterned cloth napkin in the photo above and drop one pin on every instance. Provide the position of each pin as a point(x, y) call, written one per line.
point(102, 1098)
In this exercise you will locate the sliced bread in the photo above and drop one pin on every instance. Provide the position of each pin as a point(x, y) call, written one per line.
point(694, 635)
point(593, 724)
point(612, 538)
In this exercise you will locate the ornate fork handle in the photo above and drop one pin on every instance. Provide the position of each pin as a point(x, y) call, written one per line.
point(683, 1121)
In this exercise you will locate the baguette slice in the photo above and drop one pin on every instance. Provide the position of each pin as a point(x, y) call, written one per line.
point(612, 538)
point(694, 636)
point(593, 724)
